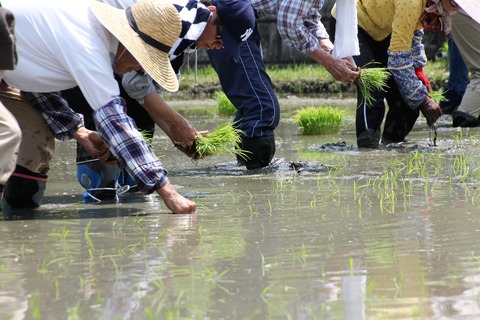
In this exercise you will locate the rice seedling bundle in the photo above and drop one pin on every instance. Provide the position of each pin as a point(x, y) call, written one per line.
point(371, 79)
point(319, 120)
point(224, 140)
point(225, 106)
point(437, 96)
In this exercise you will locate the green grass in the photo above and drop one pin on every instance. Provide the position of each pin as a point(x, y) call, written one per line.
point(290, 79)
point(225, 106)
point(319, 119)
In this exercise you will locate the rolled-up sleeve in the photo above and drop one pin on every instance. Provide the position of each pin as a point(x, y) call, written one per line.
point(61, 119)
point(299, 25)
point(126, 142)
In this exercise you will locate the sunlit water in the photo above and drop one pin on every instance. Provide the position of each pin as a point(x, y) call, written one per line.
point(324, 233)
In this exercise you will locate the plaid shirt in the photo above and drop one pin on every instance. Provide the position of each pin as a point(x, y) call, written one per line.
point(298, 21)
point(115, 127)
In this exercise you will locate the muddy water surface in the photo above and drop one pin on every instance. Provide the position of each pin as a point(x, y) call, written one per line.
point(328, 231)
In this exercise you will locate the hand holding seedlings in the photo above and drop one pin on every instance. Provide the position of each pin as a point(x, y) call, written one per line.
point(225, 139)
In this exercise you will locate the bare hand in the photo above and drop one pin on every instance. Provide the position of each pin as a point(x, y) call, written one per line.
point(175, 201)
point(190, 150)
point(94, 145)
point(182, 132)
point(343, 70)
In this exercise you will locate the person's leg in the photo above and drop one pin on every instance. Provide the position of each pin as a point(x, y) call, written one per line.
point(400, 117)
point(457, 79)
point(26, 186)
point(250, 89)
point(466, 33)
point(10, 137)
point(369, 118)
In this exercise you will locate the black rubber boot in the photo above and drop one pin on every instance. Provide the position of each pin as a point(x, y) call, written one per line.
point(464, 120)
point(451, 102)
point(369, 139)
point(260, 152)
point(24, 190)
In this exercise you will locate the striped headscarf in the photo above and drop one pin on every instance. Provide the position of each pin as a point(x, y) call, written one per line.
point(194, 17)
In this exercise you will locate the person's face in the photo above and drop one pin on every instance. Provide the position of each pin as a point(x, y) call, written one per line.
point(125, 62)
point(211, 38)
point(450, 6)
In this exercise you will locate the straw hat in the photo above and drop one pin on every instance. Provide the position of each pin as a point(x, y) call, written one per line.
point(157, 26)
point(471, 7)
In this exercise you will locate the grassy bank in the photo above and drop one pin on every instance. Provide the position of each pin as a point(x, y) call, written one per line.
point(300, 80)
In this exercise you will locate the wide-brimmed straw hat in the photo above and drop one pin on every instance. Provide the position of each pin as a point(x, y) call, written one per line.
point(148, 29)
point(471, 7)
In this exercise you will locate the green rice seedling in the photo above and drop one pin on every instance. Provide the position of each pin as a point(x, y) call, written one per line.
point(437, 96)
point(147, 135)
point(225, 139)
point(371, 79)
point(225, 106)
point(319, 120)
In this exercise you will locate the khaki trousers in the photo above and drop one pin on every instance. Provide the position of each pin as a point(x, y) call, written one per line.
point(37, 144)
point(10, 136)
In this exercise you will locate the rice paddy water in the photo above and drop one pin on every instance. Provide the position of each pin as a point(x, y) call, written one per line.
point(328, 231)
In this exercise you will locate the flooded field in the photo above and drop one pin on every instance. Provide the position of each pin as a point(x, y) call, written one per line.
point(328, 231)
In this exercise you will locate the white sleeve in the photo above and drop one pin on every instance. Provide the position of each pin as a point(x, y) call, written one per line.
point(346, 39)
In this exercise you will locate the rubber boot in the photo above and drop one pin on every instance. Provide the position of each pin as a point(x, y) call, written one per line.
point(260, 152)
point(98, 179)
point(464, 120)
point(369, 139)
point(23, 190)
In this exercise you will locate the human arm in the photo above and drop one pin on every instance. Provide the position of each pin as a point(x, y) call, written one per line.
point(419, 58)
point(343, 70)
point(177, 128)
point(65, 124)
point(299, 26)
point(412, 89)
point(121, 134)
point(180, 131)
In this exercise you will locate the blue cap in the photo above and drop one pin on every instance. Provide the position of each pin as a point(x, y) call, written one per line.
point(238, 21)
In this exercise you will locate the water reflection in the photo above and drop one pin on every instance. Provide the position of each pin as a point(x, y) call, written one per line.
point(327, 232)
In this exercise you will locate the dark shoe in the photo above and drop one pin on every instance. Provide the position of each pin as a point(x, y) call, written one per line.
point(464, 120)
point(451, 102)
point(24, 190)
point(260, 152)
point(369, 139)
